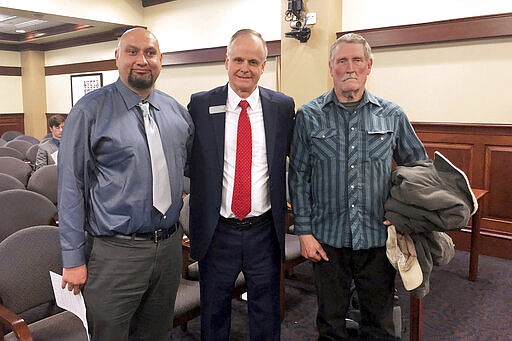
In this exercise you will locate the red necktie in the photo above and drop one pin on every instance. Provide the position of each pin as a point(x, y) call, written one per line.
point(241, 203)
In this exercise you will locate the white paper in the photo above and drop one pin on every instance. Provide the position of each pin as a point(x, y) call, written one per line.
point(68, 300)
point(54, 156)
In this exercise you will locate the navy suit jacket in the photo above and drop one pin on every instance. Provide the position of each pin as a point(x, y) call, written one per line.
point(206, 162)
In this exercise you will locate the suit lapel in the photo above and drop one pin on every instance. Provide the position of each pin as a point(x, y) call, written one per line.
point(270, 122)
point(218, 98)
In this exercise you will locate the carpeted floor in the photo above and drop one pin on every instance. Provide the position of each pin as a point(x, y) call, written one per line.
point(455, 308)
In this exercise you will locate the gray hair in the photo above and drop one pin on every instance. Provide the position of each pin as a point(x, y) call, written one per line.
point(351, 38)
point(247, 31)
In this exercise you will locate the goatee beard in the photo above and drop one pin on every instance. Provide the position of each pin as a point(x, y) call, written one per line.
point(140, 83)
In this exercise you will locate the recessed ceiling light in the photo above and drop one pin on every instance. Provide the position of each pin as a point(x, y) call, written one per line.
point(21, 31)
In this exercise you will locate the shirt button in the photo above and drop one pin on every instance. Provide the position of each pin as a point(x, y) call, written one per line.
point(352, 186)
point(351, 166)
point(382, 138)
point(323, 136)
point(165, 217)
point(353, 147)
point(353, 205)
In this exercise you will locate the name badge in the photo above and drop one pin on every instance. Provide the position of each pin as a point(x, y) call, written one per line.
point(217, 109)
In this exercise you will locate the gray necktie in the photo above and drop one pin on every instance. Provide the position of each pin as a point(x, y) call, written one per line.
point(161, 186)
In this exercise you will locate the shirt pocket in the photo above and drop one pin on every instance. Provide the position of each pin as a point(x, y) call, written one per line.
point(325, 143)
point(379, 144)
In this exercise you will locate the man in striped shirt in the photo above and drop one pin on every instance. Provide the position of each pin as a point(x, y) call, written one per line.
point(340, 175)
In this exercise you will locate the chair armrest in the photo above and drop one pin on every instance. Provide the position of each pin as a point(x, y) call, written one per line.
point(16, 323)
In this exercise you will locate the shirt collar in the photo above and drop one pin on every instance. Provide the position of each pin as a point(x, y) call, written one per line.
point(131, 99)
point(368, 97)
point(234, 99)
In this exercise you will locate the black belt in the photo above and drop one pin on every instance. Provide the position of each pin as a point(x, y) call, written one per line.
point(154, 236)
point(247, 222)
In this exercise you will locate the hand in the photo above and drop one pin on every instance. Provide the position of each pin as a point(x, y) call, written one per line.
point(387, 223)
point(74, 278)
point(311, 249)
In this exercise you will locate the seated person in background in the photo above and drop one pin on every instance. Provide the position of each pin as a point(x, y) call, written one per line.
point(48, 148)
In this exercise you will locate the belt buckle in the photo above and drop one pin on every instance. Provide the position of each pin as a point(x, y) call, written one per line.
point(156, 235)
point(244, 224)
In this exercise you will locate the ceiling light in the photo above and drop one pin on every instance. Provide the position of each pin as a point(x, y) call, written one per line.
point(20, 31)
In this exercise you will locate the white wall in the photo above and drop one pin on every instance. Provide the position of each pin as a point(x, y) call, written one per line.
point(451, 82)
point(465, 82)
point(10, 58)
point(58, 91)
point(446, 82)
point(182, 81)
point(11, 97)
point(363, 14)
point(168, 22)
point(192, 24)
point(80, 54)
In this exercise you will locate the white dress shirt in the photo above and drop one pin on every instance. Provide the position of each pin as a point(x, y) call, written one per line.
point(259, 172)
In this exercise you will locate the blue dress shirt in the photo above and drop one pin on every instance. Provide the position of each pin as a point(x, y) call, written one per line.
point(105, 183)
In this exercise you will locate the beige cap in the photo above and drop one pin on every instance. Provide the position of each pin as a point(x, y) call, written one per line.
point(402, 255)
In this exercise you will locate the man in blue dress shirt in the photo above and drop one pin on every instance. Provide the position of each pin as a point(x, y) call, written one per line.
point(123, 251)
point(340, 176)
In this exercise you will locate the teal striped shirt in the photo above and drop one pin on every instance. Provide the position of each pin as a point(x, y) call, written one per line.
point(340, 168)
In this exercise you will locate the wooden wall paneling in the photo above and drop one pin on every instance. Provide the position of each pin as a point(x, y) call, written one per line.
point(10, 71)
point(461, 155)
point(12, 122)
point(484, 153)
point(498, 168)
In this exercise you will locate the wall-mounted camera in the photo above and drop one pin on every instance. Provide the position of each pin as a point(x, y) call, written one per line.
point(297, 18)
point(296, 24)
point(301, 35)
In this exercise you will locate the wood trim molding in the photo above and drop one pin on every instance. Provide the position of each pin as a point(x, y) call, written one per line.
point(10, 71)
point(147, 3)
point(95, 38)
point(208, 55)
point(464, 128)
point(102, 65)
point(481, 27)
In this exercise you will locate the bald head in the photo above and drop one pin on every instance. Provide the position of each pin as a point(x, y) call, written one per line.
point(138, 60)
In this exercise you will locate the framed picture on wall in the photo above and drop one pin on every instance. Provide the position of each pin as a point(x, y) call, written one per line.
point(83, 84)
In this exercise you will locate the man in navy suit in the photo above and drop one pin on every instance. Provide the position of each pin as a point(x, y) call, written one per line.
point(237, 218)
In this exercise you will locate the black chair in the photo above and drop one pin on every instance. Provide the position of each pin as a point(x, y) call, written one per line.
point(20, 209)
point(15, 167)
point(44, 181)
point(27, 304)
point(9, 182)
point(20, 145)
point(8, 151)
point(27, 138)
point(10, 134)
point(31, 155)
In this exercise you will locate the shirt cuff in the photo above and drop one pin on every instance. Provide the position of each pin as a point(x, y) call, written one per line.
point(73, 258)
point(302, 226)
